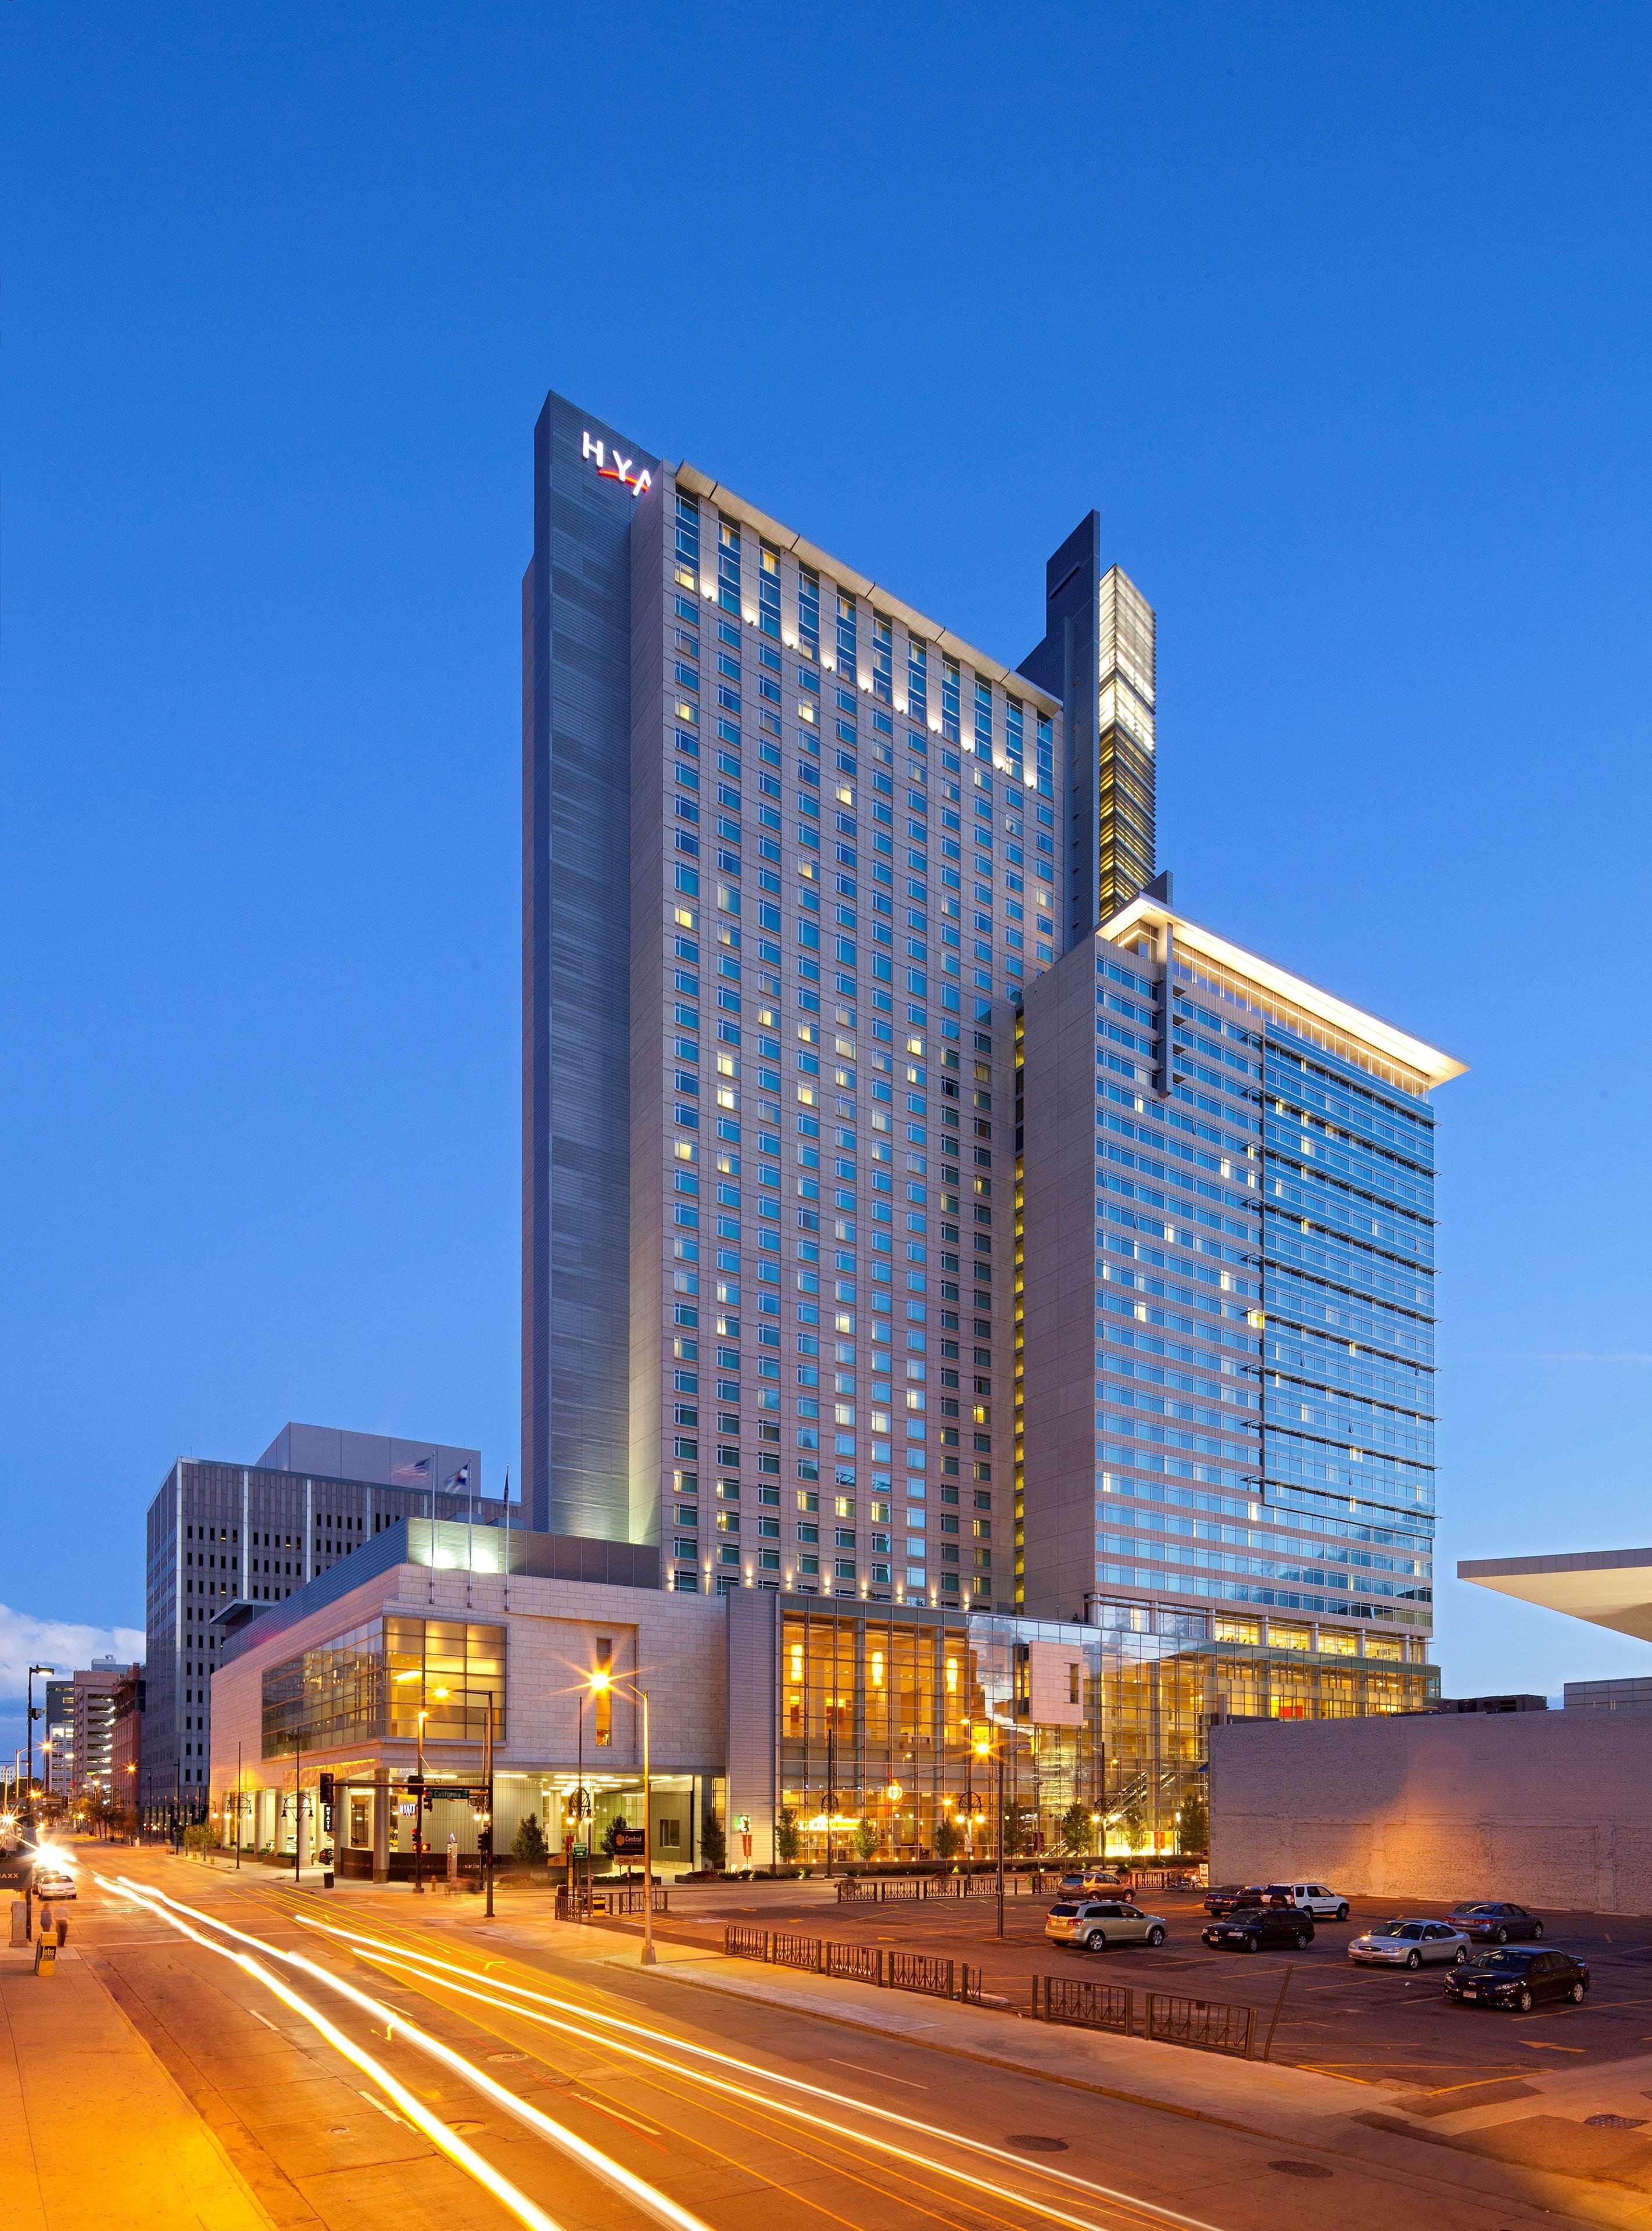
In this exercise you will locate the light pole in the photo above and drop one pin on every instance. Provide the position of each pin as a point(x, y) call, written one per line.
point(601, 1681)
point(487, 1774)
point(237, 1806)
point(985, 1748)
point(34, 1714)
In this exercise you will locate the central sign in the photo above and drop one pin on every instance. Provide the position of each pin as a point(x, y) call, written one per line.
point(611, 465)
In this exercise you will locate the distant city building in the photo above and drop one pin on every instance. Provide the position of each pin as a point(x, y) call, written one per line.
point(56, 1742)
point(126, 1739)
point(94, 1711)
point(222, 1534)
point(1626, 1693)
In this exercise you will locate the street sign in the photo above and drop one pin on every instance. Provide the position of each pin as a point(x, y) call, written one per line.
point(630, 1843)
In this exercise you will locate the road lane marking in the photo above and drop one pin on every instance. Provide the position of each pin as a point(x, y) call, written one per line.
point(421, 1962)
point(879, 2074)
point(463, 2156)
point(636, 2188)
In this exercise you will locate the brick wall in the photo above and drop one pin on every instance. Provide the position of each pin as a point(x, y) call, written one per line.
point(1547, 1809)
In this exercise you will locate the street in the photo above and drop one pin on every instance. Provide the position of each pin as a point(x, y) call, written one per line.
point(424, 2067)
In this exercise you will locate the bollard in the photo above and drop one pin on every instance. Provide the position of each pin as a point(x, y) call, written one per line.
point(19, 1923)
point(326, 1878)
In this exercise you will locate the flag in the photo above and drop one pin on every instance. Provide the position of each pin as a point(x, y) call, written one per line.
point(459, 1482)
point(412, 1475)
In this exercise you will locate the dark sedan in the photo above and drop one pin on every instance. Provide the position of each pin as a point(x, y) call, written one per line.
point(1490, 1922)
point(1231, 1895)
point(1251, 1928)
point(1518, 1980)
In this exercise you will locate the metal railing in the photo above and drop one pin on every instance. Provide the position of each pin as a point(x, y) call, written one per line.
point(1206, 2025)
point(609, 1898)
point(1085, 2005)
point(896, 1889)
point(860, 1963)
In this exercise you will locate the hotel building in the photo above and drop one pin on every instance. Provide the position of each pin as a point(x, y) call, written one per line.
point(978, 1305)
point(806, 1119)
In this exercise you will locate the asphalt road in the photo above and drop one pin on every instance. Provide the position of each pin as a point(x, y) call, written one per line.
point(1325, 2013)
point(576, 2095)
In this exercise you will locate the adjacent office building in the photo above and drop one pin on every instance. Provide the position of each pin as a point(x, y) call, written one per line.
point(223, 1535)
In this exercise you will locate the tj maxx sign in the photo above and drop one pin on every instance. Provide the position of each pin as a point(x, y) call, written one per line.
point(611, 465)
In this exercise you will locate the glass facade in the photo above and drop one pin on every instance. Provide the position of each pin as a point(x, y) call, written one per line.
point(374, 1683)
point(852, 894)
point(897, 1718)
point(1263, 1273)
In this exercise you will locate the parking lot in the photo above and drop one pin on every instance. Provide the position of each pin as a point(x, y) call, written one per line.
point(1325, 2013)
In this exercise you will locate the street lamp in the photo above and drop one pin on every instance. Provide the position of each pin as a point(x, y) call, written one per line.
point(34, 1714)
point(601, 1682)
point(984, 1749)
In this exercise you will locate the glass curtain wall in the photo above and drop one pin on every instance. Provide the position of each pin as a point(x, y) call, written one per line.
point(892, 1725)
point(373, 1684)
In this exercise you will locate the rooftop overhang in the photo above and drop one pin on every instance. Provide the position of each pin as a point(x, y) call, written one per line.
point(1385, 1039)
point(1609, 1587)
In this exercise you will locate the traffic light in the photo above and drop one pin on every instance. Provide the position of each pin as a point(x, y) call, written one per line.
point(323, 1788)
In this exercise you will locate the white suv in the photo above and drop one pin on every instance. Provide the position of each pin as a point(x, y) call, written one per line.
point(1312, 1897)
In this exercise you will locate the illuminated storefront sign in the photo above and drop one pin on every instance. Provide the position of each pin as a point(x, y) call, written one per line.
point(611, 465)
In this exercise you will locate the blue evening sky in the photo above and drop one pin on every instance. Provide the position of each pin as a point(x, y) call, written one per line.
point(1339, 315)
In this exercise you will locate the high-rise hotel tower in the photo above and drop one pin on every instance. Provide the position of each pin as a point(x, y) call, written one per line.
point(850, 997)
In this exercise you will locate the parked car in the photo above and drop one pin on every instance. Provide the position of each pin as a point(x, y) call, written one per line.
point(1094, 1923)
point(1493, 1923)
point(1518, 1980)
point(1251, 1928)
point(1094, 1881)
point(1407, 1943)
point(1316, 1899)
point(1233, 1895)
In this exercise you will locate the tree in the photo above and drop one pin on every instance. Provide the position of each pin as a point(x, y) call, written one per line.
point(529, 1845)
point(1075, 1828)
point(611, 1837)
point(713, 1844)
point(865, 1838)
point(949, 1837)
point(1133, 1820)
point(1193, 1823)
point(1014, 1829)
point(787, 1841)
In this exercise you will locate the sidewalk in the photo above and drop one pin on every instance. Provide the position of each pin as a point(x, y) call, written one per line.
point(95, 2130)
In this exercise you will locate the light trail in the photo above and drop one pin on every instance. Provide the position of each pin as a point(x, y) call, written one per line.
point(636, 2188)
point(447, 2142)
point(468, 1985)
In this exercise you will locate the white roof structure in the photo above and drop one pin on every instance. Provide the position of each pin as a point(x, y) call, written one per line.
point(1609, 1587)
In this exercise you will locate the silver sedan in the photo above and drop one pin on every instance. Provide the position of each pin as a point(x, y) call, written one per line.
point(1406, 1943)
